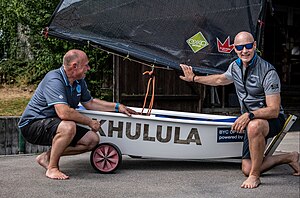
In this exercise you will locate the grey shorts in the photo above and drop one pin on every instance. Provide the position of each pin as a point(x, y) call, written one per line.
point(275, 126)
point(42, 131)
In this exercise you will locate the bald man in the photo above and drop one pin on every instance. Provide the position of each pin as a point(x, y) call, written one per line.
point(50, 117)
point(257, 86)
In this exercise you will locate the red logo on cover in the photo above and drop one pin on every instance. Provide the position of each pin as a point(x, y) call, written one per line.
point(225, 47)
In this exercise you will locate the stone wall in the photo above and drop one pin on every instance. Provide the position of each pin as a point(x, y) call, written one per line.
point(12, 142)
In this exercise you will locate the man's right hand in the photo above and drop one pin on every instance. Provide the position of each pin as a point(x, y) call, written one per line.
point(95, 125)
point(188, 73)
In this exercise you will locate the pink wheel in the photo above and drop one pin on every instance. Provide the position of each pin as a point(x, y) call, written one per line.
point(106, 158)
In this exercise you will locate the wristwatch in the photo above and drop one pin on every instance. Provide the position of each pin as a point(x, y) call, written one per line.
point(251, 115)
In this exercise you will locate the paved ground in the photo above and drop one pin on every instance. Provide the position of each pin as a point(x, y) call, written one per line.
point(20, 177)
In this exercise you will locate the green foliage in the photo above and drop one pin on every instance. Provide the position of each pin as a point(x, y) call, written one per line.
point(10, 71)
point(99, 78)
point(26, 55)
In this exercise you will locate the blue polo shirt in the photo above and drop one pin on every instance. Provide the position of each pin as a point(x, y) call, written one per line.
point(54, 89)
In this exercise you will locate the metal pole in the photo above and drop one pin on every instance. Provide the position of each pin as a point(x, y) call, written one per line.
point(21, 143)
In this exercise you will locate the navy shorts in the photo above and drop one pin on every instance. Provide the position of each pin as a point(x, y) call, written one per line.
point(275, 126)
point(42, 131)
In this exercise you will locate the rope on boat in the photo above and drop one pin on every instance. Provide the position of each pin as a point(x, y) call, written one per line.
point(151, 80)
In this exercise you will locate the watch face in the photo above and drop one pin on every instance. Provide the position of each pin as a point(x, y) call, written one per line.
point(251, 116)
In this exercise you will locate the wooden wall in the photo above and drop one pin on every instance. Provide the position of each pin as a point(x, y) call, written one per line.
point(171, 93)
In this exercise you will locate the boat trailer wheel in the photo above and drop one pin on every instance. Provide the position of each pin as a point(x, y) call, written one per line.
point(106, 158)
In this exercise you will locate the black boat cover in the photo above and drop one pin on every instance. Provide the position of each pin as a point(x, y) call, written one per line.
point(164, 33)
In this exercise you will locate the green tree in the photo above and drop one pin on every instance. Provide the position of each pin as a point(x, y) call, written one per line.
point(26, 55)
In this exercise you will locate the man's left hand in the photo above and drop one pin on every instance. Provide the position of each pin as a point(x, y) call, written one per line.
point(241, 123)
point(126, 110)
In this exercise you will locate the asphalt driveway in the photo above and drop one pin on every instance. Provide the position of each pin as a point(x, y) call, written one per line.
point(21, 176)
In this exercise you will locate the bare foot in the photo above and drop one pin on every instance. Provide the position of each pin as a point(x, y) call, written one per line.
point(43, 159)
point(54, 173)
point(251, 182)
point(295, 163)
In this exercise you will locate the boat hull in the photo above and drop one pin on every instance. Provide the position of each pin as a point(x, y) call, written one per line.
point(169, 134)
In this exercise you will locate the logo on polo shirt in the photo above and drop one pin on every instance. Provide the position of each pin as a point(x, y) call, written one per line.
point(78, 89)
point(275, 86)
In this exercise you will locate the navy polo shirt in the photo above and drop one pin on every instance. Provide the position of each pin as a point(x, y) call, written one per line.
point(54, 89)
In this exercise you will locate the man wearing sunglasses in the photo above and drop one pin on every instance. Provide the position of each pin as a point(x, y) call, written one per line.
point(258, 89)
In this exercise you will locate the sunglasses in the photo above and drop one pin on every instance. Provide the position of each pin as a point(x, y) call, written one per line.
point(241, 47)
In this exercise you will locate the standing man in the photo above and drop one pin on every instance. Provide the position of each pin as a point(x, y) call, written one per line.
point(258, 89)
point(50, 117)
